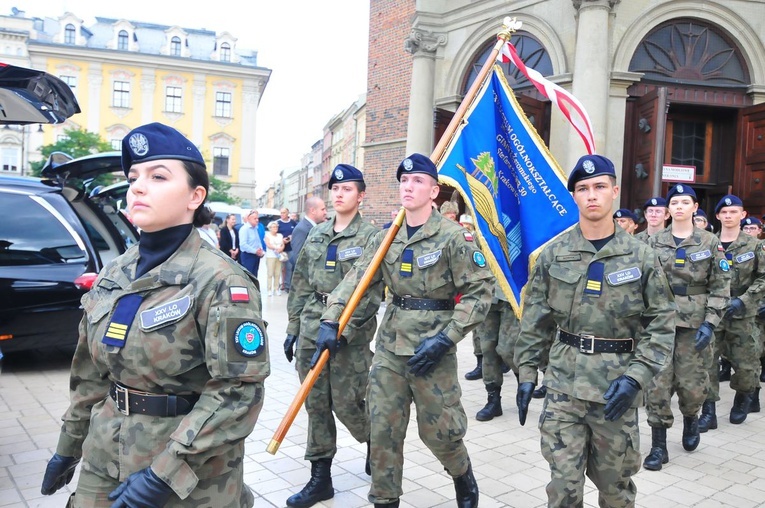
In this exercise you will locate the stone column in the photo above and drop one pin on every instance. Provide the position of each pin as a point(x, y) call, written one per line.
point(591, 70)
point(422, 44)
point(148, 86)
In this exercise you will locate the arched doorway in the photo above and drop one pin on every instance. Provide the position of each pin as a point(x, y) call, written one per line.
point(686, 110)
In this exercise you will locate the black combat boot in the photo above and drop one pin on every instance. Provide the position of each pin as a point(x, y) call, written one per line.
point(741, 405)
point(318, 488)
point(394, 504)
point(762, 372)
point(540, 393)
point(691, 438)
point(754, 407)
point(708, 419)
point(494, 405)
point(367, 465)
point(476, 373)
point(724, 374)
point(467, 489)
point(659, 454)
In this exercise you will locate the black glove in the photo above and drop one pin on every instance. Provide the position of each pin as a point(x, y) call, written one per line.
point(620, 395)
point(704, 335)
point(327, 339)
point(761, 312)
point(735, 308)
point(58, 473)
point(523, 399)
point(142, 489)
point(289, 347)
point(428, 353)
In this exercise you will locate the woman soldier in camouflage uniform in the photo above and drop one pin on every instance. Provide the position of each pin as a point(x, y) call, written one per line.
point(167, 378)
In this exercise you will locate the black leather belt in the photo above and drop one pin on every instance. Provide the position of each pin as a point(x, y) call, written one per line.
point(321, 297)
point(689, 290)
point(589, 344)
point(408, 303)
point(131, 401)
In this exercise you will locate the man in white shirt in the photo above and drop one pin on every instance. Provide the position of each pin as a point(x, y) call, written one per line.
point(250, 243)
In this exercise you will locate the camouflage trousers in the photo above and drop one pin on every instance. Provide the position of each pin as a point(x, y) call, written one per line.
point(477, 343)
point(340, 388)
point(441, 420)
point(578, 440)
point(498, 333)
point(226, 491)
point(685, 375)
point(735, 340)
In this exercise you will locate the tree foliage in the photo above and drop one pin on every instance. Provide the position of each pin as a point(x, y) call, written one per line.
point(219, 191)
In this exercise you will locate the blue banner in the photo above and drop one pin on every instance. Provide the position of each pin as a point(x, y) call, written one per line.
point(511, 183)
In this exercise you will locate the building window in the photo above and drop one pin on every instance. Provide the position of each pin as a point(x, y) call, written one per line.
point(9, 157)
point(122, 40)
point(69, 34)
point(223, 104)
point(121, 94)
point(71, 81)
point(175, 46)
point(225, 52)
point(173, 99)
point(116, 144)
point(220, 161)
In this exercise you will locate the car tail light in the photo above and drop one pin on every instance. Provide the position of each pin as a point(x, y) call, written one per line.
point(6, 337)
point(85, 281)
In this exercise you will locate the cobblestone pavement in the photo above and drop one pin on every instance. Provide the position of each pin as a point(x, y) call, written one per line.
point(726, 470)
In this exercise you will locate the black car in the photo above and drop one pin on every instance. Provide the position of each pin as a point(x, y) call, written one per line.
point(57, 234)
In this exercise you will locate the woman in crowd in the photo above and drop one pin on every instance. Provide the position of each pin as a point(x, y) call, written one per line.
point(229, 237)
point(274, 248)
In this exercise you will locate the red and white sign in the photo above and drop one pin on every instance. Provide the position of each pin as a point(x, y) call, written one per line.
point(675, 173)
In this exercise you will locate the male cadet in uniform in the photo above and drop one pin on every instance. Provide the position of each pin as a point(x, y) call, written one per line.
point(735, 338)
point(430, 260)
point(626, 219)
point(656, 217)
point(327, 255)
point(699, 277)
point(599, 301)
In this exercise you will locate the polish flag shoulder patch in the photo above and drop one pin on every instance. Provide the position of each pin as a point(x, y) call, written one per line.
point(239, 294)
point(468, 236)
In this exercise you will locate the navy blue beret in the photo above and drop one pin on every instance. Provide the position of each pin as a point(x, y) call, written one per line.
point(417, 163)
point(590, 166)
point(700, 213)
point(751, 221)
point(728, 200)
point(625, 213)
point(345, 173)
point(656, 201)
point(681, 190)
point(156, 141)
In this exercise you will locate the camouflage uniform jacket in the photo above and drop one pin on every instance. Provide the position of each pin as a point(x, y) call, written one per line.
point(643, 236)
point(182, 340)
point(315, 272)
point(746, 256)
point(703, 265)
point(445, 261)
point(629, 299)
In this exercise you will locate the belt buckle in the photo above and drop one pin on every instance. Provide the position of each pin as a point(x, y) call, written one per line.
point(121, 390)
point(583, 337)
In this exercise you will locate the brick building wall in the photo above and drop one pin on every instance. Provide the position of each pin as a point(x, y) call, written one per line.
point(388, 84)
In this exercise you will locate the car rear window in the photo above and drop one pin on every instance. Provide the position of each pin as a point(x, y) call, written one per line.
point(39, 238)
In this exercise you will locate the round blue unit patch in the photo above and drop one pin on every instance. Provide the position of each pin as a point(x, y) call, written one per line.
point(248, 339)
point(724, 266)
point(479, 259)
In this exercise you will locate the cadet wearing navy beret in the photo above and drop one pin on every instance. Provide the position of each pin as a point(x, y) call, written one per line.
point(625, 213)
point(655, 201)
point(751, 221)
point(345, 173)
point(156, 141)
point(417, 163)
point(728, 200)
point(590, 166)
point(681, 190)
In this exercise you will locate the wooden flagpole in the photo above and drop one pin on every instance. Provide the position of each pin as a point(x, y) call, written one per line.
point(509, 26)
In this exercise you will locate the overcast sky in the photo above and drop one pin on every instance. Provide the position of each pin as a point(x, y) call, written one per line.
point(316, 49)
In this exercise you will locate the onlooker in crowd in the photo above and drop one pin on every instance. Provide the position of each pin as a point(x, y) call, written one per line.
point(699, 276)
point(449, 209)
point(599, 302)
point(294, 216)
point(250, 243)
point(393, 215)
point(626, 219)
point(315, 213)
point(229, 237)
point(286, 227)
point(205, 231)
point(168, 377)
point(274, 249)
point(656, 217)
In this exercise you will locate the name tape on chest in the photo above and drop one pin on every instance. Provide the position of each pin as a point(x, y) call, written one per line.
point(569, 257)
point(700, 255)
point(746, 256)
point(165, 313)
point(429, 259)
point(350, 253)
point(623, 276)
